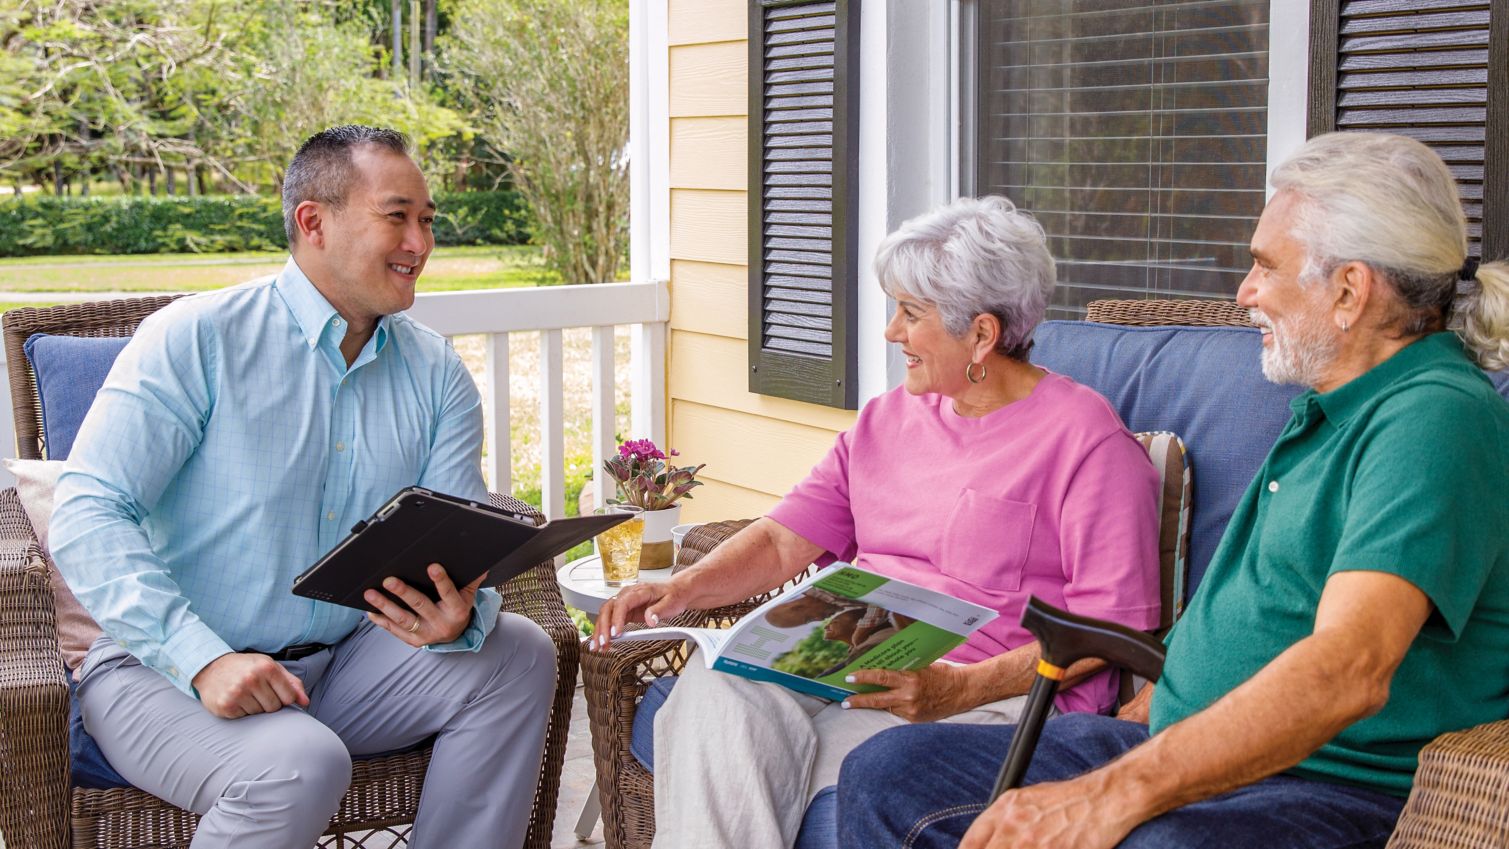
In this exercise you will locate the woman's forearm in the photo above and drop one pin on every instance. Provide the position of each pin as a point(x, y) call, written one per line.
point(1012, 673)
point(757, 559)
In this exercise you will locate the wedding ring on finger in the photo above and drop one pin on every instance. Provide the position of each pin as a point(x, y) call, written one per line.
point(414, 626)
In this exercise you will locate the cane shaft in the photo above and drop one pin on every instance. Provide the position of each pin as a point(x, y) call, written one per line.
point(1024, 741)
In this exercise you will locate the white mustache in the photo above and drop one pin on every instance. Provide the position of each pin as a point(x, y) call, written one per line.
point(1257, 317)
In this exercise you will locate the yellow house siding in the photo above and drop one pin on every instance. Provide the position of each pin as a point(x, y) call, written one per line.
point(709, 79)
point(709, 226)
point(709, 153)
point(756, 447)
point(707, 21)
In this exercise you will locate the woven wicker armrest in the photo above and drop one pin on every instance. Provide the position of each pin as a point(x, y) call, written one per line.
point(34, 792)
point(1460, 798)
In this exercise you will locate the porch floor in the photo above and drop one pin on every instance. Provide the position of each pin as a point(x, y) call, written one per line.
point(577, 779)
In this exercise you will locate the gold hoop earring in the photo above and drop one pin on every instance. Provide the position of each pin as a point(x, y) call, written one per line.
point(969, 372)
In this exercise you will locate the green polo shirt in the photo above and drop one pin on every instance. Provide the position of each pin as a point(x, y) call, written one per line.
point(1404, 470)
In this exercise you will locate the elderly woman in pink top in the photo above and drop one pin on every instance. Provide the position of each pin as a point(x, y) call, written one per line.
point(982, 476)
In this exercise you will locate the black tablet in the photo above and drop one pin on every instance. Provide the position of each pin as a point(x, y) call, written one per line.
point(418, 527)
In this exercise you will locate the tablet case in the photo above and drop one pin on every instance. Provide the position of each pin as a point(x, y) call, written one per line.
point(417, 527)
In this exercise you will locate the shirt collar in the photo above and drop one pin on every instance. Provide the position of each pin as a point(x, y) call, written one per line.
point(1342, 402)
point(313, 313)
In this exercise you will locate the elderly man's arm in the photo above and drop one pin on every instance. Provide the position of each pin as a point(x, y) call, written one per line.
point(1338, 675)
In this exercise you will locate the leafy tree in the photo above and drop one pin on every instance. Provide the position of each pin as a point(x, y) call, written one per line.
point(547, 81)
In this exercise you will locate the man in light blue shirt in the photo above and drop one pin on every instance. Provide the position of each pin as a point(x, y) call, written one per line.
point(240, 433)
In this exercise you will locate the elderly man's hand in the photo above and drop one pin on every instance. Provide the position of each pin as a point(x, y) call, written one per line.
point(1075, 813)
point(921, 695)
point(426, 622)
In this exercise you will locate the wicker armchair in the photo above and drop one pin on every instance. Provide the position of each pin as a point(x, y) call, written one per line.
point(1460, 798)
point(39, 808)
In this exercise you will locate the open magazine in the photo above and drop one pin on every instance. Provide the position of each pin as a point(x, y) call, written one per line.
point(841, 619)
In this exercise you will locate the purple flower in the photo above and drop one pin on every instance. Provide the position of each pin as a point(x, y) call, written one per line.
point(645, 479)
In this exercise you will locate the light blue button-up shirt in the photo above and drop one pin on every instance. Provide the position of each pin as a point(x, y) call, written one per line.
point(231, 447)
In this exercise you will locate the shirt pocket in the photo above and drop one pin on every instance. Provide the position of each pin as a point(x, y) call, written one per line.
point(986, 541)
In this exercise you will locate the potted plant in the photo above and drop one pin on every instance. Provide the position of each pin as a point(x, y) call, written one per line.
point(645, 478)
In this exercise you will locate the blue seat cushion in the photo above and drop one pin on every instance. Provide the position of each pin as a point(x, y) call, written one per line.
point(1205, 384)
point(70, 371)
point(91, 771)
point(1500, 382)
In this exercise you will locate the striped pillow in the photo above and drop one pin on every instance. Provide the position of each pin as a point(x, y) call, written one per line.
point(1174, 499)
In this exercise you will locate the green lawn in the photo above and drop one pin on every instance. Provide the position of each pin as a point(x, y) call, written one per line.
point(449, 269)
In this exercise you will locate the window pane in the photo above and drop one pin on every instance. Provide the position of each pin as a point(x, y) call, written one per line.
point(1135, 130)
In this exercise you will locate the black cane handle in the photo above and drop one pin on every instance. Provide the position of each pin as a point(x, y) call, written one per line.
point(1066, 638)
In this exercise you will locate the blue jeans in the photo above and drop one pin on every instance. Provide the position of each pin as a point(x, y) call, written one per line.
point(922, 786)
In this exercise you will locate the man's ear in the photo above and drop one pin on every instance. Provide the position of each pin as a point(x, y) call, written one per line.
point(1355, 284)
point(309, 221)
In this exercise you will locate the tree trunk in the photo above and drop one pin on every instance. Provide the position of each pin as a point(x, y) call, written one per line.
point(431, 24)
point(57, 178)
point(152, 182)
point(414, 41)
point(397, 40)
point(172, 183)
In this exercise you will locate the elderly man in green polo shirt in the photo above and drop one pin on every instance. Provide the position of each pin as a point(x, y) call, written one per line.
point(1358, 605)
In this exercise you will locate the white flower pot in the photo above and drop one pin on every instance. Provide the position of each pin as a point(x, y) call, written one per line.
point(658, 551)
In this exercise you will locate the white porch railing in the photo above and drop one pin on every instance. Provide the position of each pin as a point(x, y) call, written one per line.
point(496, 313)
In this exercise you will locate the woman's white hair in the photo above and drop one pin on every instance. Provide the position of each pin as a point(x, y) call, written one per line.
point(1391, 203)
point(973, 256)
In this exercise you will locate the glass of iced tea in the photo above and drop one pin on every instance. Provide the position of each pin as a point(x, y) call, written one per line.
point(619, 546)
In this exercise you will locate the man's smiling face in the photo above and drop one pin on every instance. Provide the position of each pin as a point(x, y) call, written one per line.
point(1300, 342)
point(381, 238)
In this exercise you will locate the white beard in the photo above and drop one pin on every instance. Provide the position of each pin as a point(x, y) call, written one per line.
point(1301, 348)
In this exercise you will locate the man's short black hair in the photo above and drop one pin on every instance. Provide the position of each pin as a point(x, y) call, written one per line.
point(322, 171)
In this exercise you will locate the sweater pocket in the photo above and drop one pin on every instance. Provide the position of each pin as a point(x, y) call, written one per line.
point(986, 541)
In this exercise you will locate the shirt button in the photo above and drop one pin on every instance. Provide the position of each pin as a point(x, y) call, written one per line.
point(330, 516)
point(335, 322)
point(340, 446)
point(173, 671)
point(1273, 486)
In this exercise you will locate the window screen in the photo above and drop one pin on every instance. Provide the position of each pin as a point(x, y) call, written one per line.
point(1136, 132)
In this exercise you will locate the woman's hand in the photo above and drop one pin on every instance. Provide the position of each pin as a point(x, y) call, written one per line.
point(921, 695)
point(643, 602)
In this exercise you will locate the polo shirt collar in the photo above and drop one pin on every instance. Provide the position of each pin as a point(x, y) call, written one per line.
point(313, 313)
point(1342, 402)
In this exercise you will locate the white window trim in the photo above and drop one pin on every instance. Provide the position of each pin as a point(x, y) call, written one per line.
point(1288, 79)
point(908, 150)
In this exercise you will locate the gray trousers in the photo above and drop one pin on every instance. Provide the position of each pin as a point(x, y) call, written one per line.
point(273, 781)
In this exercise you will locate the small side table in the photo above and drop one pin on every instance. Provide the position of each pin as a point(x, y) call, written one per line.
point(582, 587)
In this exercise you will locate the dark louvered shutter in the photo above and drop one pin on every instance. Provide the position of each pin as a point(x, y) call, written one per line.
point(1435, 70)
point(803, 175)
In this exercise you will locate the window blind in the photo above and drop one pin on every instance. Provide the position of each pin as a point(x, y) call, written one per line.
point(1135, 131)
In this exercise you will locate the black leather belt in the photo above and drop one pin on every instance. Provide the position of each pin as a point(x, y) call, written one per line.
point(298, 652)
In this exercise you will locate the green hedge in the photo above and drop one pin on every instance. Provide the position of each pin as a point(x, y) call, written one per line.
point(146, 225)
